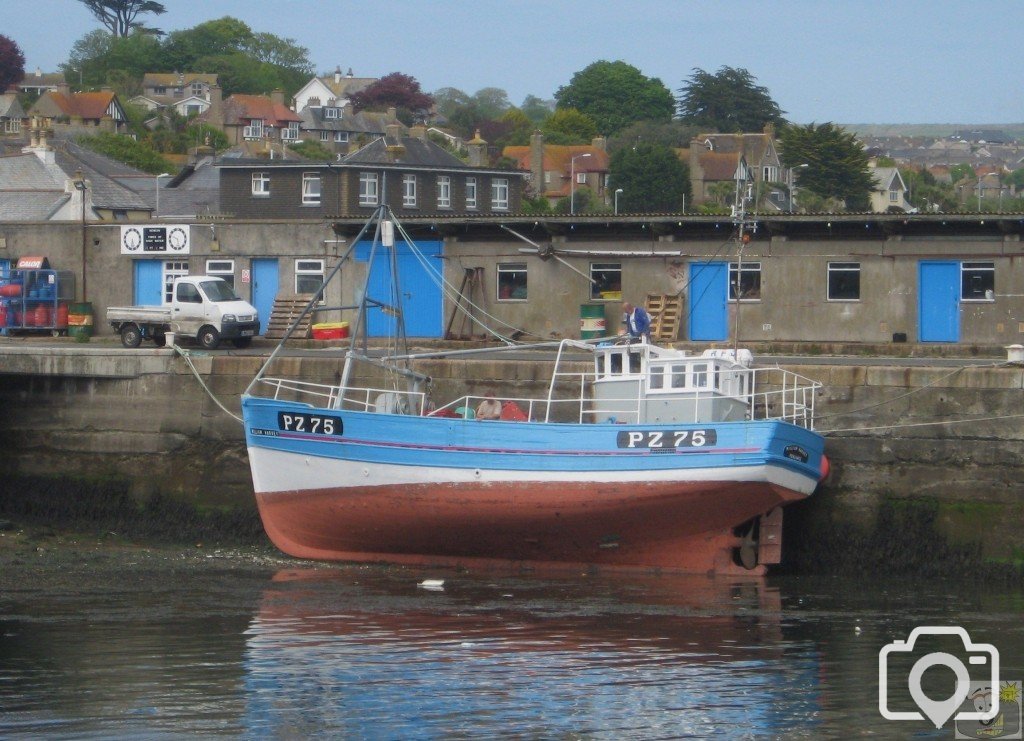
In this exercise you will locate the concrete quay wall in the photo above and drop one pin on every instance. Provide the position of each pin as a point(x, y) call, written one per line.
point(926, 464)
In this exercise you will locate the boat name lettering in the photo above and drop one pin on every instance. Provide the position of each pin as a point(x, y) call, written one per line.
point(796, 453)
point(666, 439)
point(313, 424)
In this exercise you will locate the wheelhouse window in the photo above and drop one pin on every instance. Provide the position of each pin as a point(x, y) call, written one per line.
point(499, 194)
point(261, 184)
point(369, 191)
point(224, 269)
point(409, 191)
point(444, 191)
point(747, 276)
point(844, 281)
point(978, 281)
point(606, 281)
point(309, 276)
point(512, 281)
point(470, 192)
point(310, 189)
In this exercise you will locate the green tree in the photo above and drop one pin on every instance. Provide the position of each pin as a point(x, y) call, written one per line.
point(126, 149)
point(87, 59)
point(672, 134)
point(12, 63)
point(448, 100)
point(616, 94)
point(728, 101)
point(961, 171)
point(120, 15)
point(492, 102)
point(312, 150)
point(652, 178)
point(518, 129)
point(569, 126)
point(284, 53)
point(837, 165)
point(536, 109)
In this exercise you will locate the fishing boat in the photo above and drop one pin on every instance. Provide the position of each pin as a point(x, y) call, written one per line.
point(636, 456)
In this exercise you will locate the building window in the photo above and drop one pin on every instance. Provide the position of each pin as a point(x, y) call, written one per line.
point(444, 191)
point(254, 130)
point(341, 136)
point(770, 174)
point(325, 136)
point(290, 132)
point(261, 184)
point(978, 281)
point(196, 88)
point(310, 189)
point(12, 125)
point(222, 269)
point(512, 281)
point(581, 178)
point(409, 191)
point(173, 270)
point(749, 281)
point(471, 193)
point(894, 196)
point(309, 276)
point(844, 281)
point(369, 193)
point(499, 194)
point(606, 280)
point(330, 112)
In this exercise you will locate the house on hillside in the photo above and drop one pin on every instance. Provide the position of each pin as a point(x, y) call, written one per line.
point(80, 112)
point(187, 93)
point(558, 170)
point(410, 173)
point(340, 130)
point(39, 82)
point(12, 115)
point(330, 90)
point(253, 118)
point(717, 160)
point(889, 192)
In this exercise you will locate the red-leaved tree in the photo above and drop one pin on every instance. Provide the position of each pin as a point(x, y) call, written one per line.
point(396, 89)
point(12, 64)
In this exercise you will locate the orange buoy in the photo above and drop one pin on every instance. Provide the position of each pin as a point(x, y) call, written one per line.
point(826, 468)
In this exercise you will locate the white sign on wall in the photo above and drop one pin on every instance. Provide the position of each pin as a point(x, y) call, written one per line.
point(169, 239)
point(245, 275)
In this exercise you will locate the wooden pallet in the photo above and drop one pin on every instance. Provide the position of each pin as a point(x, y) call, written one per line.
point(286, 310)
point(666, 314)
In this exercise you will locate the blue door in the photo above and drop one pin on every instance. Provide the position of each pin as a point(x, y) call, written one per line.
point(420, 299)
point(938, 301)
point(265, 284)
point(149, 283)
point(709, 307)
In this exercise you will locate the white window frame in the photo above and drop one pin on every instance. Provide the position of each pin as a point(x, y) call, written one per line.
point(745, 268)
point(261, 184)
point(499, 194)
point(12, 126)
point(325, 136)
point(511, 267)
point(254, 130)
point(409, 190)
point(290, 132)
point(444, 191)
point(330, 112)
point(369, 189)
point(224, 269)
point(975, 266)
point(471, 193)
point(311, 186)
point(341, 137)
point(172, 270)
point(581, 178)
point(306, 268)
point(841, 267)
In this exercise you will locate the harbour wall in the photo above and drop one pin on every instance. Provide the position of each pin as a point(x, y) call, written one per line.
point(926, 471)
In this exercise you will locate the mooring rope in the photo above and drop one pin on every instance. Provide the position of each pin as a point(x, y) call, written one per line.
point(185, 354)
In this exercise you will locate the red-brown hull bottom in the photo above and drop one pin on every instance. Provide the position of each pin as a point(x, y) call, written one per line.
point(671, 527)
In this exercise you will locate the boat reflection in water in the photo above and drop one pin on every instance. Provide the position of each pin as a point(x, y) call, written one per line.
point(639, 657)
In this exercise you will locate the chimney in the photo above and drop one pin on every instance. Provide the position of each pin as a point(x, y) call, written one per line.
point(419, 131)
point(392, 113)
point(599, 142)
point(64, 89)
point(215, 113)
point(337, 74)
point(477, 151)
point(393, 130)
point(537, 162)
point(277, 96)
point(349, 74)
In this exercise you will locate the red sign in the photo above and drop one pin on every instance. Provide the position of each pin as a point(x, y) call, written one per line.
point(33, 263)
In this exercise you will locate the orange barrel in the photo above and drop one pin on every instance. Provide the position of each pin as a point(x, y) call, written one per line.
point(42, 315)
point(62, 316)
point(80, 320)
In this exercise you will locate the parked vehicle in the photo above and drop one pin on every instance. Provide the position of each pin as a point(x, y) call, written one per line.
point(202, 306)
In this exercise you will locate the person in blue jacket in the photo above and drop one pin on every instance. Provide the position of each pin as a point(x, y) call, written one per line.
point(637, 321)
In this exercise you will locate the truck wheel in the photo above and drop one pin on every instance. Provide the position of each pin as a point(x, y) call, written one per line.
point(131, 336)
point(242, 342)
point(160, 338)
point(209, 338)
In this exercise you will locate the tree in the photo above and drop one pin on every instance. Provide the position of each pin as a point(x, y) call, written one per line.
point(519, 129)
point(395, 89)
point(837, 165)
point(616, 94)
point(536, 109)
point(729, 101)
point(448, 100)
point(12, 63)
point(568, 126)
point(492, 102)
point(286, 53)
point(87, 58)
point(120, 15)
point(652, 178)
point(673, 134)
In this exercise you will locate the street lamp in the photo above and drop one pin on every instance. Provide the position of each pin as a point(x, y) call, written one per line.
point(617, 191)
point(161, 175)
point(792, 186)
point(979, 193)
point(572, 181)
point(81, 186)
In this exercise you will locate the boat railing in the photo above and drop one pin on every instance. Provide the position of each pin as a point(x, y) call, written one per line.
point(332, 396)
point(465, 406)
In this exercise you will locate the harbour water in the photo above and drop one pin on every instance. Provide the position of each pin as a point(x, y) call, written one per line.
point(102, 641)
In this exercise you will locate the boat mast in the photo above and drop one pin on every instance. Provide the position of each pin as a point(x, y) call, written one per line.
point(744, 230)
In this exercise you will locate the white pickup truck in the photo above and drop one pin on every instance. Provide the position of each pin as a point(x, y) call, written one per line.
point(202, 306)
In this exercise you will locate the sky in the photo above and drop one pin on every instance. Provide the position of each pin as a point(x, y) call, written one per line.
point(845, 61)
